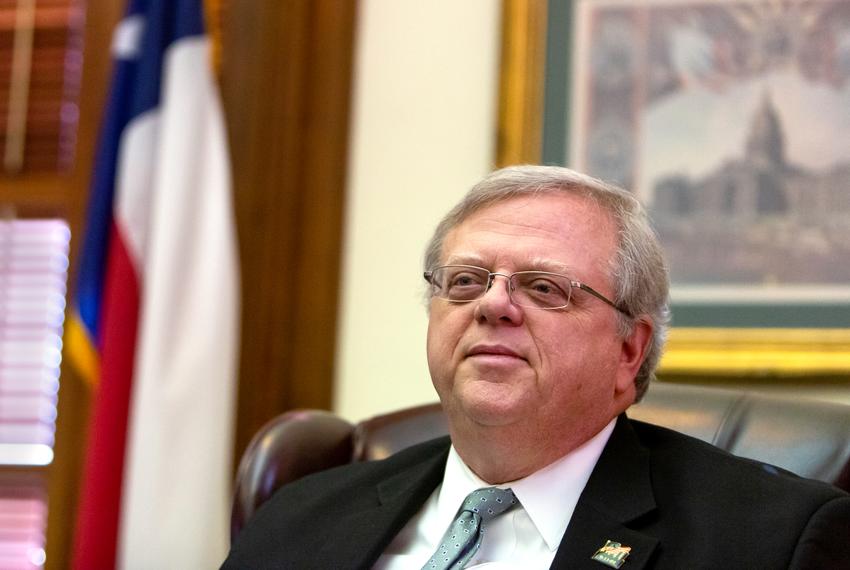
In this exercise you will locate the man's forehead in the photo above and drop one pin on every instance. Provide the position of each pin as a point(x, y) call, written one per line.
point(541, 215)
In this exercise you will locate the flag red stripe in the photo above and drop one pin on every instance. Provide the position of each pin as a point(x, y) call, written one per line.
point(100, 499)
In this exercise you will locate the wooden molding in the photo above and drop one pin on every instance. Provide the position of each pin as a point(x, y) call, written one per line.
point(522, 70)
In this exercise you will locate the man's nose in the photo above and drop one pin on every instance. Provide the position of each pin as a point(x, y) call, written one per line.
point(496, 305)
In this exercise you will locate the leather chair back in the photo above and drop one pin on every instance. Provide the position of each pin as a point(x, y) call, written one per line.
point(809, 438)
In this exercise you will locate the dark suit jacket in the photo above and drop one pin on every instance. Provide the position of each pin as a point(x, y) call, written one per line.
point(676, 501)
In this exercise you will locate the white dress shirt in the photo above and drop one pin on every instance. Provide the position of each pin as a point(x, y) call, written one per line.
point(527, 536)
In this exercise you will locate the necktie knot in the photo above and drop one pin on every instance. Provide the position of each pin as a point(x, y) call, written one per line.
point(489, 502)
point(462, 539)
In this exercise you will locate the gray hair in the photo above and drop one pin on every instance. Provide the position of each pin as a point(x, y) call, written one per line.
point(638, 269)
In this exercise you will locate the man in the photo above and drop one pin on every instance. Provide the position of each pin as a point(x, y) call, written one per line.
point(547, 311)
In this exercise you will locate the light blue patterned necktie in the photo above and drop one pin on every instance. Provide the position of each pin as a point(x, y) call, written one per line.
point(462, 539)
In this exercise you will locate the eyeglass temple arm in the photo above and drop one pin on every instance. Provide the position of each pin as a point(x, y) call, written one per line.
point(599, 296)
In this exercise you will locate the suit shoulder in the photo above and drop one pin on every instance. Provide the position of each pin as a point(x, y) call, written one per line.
point(325, 485)
point(748, 514)
point(292, 524)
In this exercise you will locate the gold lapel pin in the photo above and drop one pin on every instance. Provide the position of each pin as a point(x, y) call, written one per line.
point(613, 554)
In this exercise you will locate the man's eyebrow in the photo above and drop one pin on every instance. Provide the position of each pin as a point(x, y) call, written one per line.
point(551, 266)
point(465, 259)
point(536, 264)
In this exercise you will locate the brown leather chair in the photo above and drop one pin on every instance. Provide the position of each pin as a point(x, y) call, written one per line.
point(807, 437)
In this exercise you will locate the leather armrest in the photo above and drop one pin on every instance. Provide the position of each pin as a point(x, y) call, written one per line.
point(287, 448)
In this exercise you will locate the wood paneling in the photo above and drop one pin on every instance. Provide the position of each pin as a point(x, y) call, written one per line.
point(286, 75)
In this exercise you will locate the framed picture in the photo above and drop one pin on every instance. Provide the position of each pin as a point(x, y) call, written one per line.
point(730, 119)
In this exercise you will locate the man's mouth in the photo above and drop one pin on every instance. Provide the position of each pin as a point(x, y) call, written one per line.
point(492, 350)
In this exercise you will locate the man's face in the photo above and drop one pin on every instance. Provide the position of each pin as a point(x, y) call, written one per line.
point(496, 364)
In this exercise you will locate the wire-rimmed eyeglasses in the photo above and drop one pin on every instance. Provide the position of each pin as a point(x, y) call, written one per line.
point(531, 289)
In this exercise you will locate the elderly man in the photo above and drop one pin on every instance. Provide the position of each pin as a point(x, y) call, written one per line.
point(547, 306)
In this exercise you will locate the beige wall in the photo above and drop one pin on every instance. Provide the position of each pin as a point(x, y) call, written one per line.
point(423, 131)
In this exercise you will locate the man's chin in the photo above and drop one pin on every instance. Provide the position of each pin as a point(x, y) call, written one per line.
point(492, 405)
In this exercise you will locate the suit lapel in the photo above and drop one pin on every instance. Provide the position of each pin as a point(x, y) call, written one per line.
point(619, 491)
point(365, 533)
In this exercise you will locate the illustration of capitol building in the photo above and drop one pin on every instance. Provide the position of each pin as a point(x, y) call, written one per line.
point(758, 218)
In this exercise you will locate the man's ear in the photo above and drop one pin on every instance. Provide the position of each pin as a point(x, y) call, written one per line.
point(633, 351)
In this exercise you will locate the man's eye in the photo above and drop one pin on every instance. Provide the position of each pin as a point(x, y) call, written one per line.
point(542, 286)
point(465, 280)
point(464, 286)
point(545, 292)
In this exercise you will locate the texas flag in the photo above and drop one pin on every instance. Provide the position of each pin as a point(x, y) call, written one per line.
point(154, 322)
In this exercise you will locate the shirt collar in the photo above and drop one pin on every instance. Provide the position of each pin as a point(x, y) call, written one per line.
point(549, 495)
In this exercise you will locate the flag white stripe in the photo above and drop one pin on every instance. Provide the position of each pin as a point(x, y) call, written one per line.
point(176, 500)
point(133, 184)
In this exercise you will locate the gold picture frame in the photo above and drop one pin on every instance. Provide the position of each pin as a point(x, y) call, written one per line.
point(751, 353)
